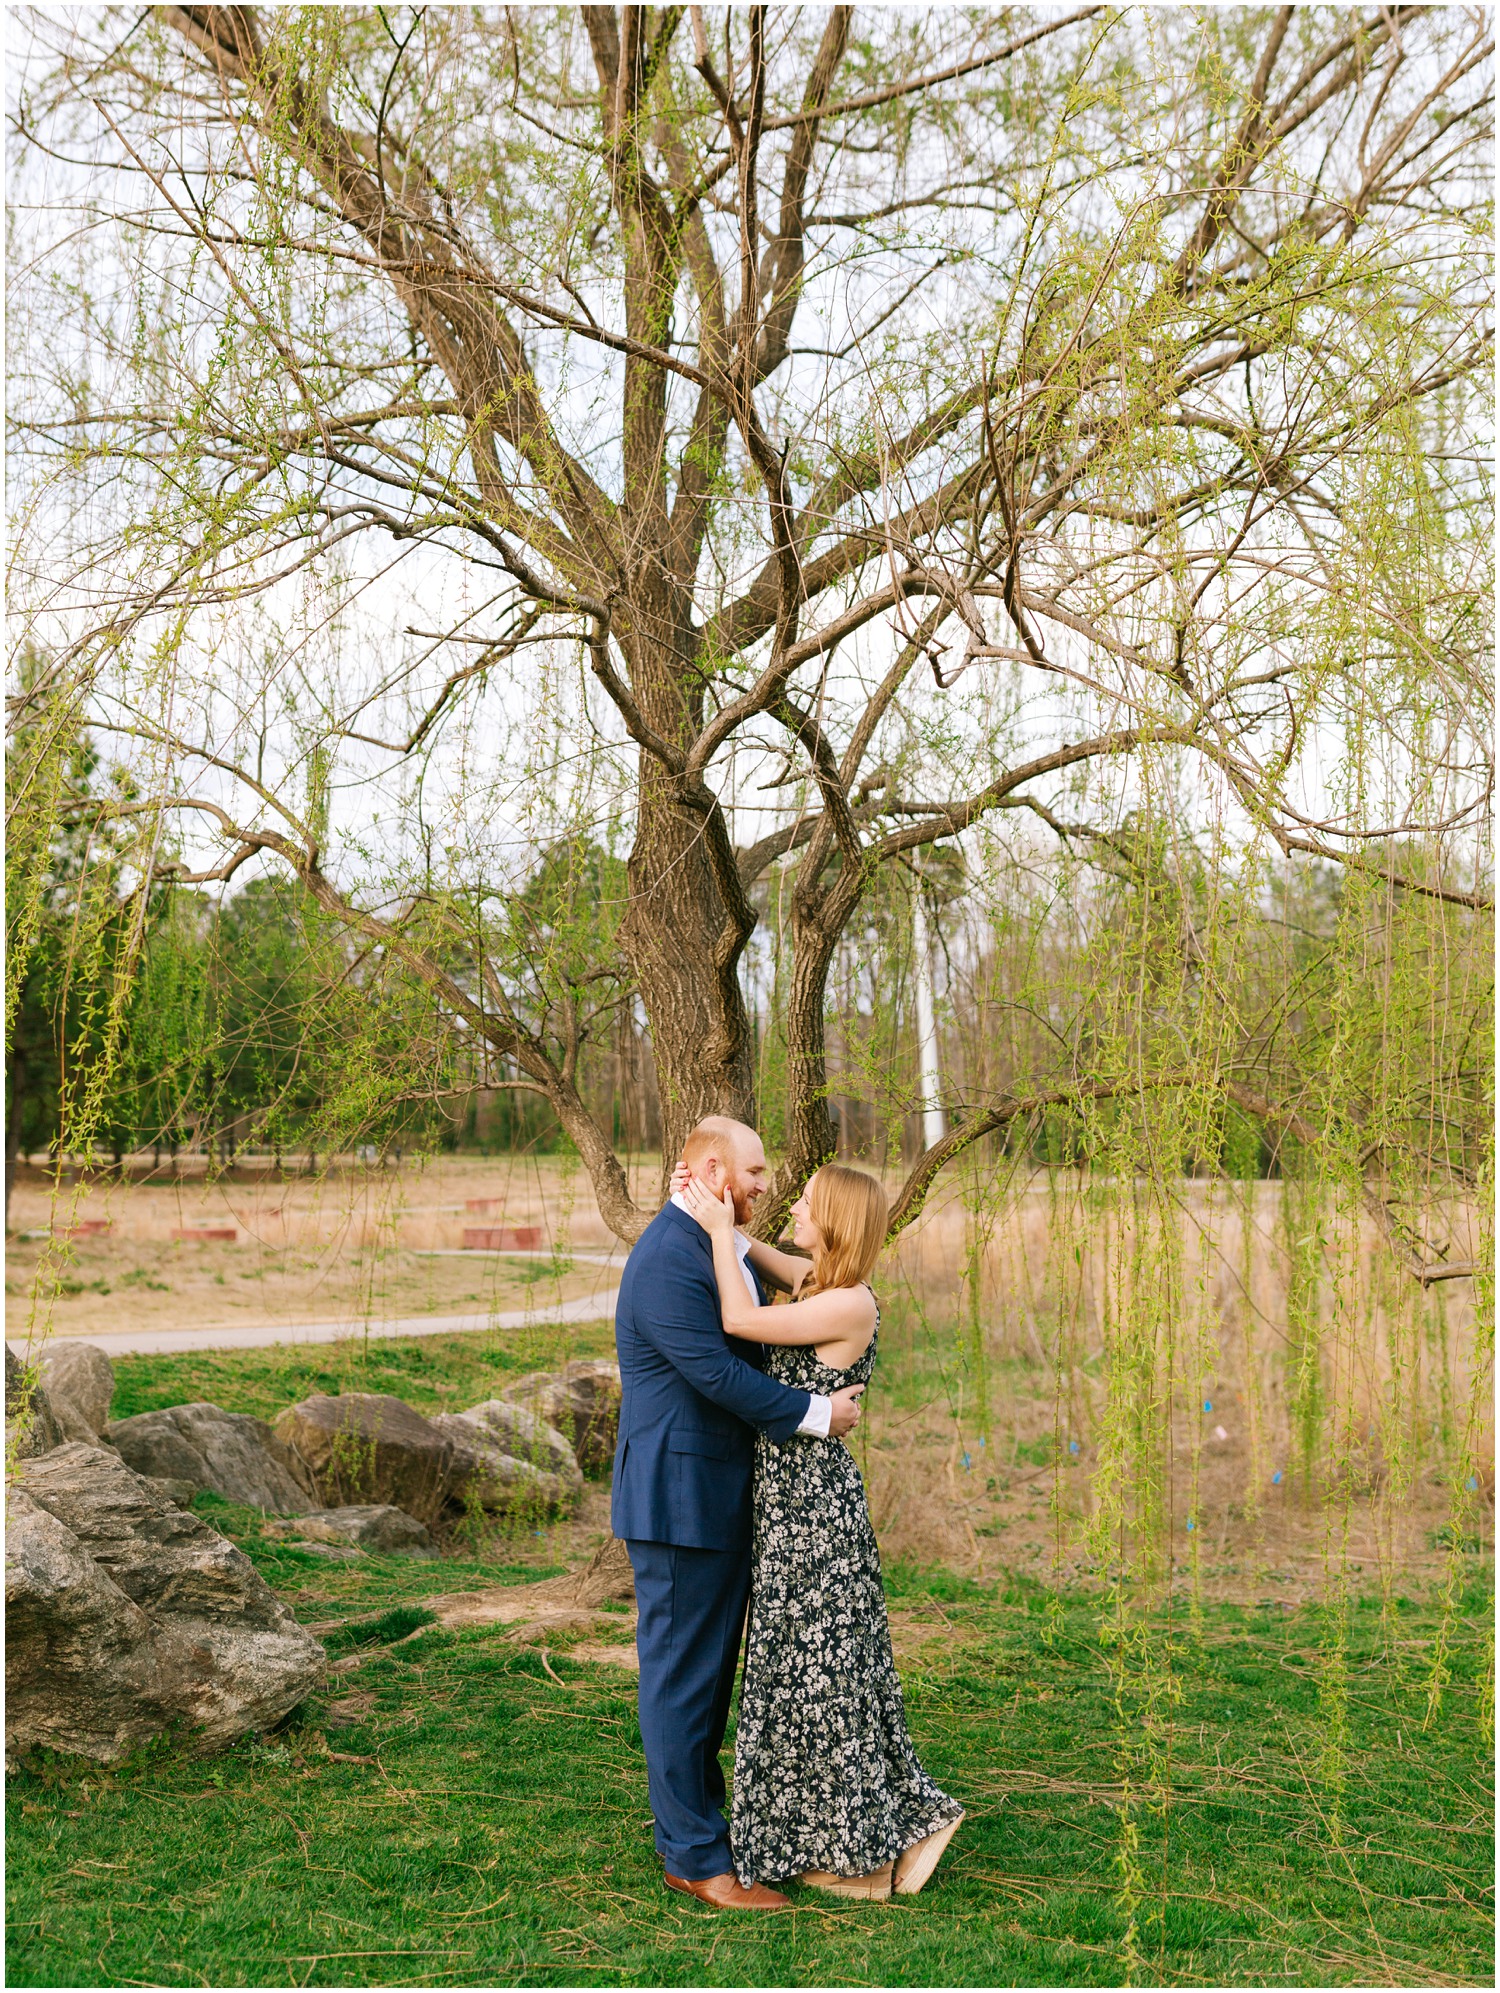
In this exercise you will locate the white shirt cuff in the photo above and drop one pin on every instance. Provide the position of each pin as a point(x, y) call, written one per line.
point(819, 1417)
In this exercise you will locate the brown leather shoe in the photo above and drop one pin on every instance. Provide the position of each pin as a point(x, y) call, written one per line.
point(727, 1892)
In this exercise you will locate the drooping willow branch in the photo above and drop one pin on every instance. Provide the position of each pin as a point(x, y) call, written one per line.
point(1000, 1114)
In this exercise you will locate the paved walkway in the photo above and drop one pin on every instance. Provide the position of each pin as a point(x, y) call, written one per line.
point(264, 1335)
point(485, 1252)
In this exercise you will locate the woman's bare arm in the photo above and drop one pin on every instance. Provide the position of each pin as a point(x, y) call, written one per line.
point(843, 1315)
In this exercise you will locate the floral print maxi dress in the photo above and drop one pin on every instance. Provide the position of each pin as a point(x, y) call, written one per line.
point(824, 1771)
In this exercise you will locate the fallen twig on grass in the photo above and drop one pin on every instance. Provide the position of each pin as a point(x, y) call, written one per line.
point(546, 1661)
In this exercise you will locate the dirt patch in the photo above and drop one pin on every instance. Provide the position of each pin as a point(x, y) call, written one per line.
point(607, 1656)
point(518, 1606)
point(578, 1601)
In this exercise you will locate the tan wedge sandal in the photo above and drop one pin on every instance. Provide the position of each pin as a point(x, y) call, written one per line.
point(872, 1888)
point(915, 1866)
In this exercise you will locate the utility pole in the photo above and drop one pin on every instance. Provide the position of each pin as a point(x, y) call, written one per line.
point(934, 1125)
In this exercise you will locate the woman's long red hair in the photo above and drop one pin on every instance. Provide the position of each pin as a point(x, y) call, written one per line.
point(852, 1211)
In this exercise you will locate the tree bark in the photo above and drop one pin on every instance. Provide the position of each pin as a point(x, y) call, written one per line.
point(673, 934)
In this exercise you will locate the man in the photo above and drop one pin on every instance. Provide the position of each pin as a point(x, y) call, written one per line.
point(682, 1502)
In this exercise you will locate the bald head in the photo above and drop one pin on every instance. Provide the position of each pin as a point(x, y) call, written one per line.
point(723, 1151)
point(716, 1135)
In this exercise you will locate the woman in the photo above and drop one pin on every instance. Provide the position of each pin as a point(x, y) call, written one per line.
point(826, 1783)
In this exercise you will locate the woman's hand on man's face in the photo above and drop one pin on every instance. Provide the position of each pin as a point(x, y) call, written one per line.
point(681, 1178)
point(714, 1214)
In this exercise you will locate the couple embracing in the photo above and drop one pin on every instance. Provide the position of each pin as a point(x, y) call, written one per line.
point(732, 1481)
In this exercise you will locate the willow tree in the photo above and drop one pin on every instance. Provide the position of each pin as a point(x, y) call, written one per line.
point(789, 439)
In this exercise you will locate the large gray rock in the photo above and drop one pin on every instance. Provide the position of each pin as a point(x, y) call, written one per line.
point(237, 1456)
point(582, 1401)
point(31, 1428)
point(126, 1617)
point(79, 1381)
point(365, 1447)
point(498, 1480)
point(517, 1430)
point(371, 1526)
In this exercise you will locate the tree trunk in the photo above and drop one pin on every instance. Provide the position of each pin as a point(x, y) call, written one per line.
point(606, 1578)
point(681, 935)
point(673, 935)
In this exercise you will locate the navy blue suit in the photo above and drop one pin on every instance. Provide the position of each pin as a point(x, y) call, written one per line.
point(684, 1470)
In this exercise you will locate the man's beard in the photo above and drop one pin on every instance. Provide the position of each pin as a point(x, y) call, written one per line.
point(743, 1205)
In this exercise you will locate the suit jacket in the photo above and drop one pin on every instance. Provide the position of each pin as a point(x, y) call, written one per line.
point(688, 1400)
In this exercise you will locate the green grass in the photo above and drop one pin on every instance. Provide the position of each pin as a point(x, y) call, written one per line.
point(381, 1629)
point(459, 1810)
point(466, 1816)
point(432, 1373)
point(321, 1591)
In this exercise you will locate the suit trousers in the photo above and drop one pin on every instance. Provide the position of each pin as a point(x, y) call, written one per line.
point(691, 1606)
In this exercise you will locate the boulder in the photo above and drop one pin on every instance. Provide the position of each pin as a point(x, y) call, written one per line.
point(498, 1480)
point(582, 1400)
point(371, 1526)
point(30, 1426)
point(236, 1456)
point(179, 1493)
point(79, 1381)
point(126, 1618)
point(518, 1431)
point(365, 1447)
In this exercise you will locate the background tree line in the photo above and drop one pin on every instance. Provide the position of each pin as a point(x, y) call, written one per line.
point(251, 1020)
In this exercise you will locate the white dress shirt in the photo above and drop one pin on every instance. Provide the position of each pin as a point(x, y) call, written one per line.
point(819, 1415)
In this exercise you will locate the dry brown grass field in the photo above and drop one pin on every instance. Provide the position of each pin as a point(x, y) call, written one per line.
point(351, 1244)
point(981, 1443)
